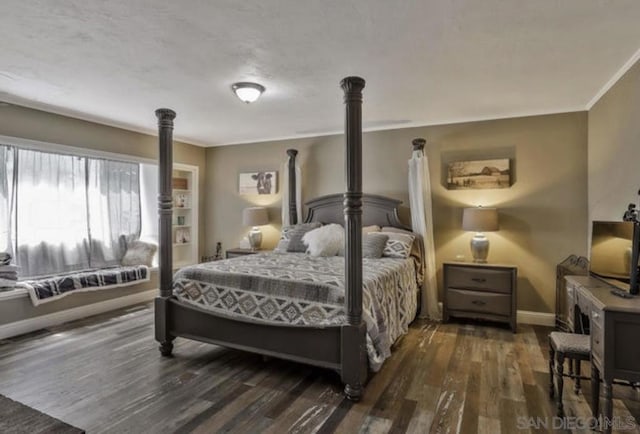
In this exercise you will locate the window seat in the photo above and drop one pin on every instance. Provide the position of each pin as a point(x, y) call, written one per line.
point(52, 288)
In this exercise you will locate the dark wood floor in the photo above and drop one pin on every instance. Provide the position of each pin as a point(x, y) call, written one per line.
point(104, 374)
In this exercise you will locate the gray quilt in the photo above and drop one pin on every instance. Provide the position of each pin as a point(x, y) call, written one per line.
point(300, 290)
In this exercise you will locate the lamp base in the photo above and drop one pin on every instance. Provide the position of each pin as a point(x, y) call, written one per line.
point(255, 238)
point(480, 248)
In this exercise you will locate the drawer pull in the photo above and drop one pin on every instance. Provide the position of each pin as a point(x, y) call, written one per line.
point(479, 279)
point(479, 302)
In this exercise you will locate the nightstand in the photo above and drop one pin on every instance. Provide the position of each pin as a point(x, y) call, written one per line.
point(484, 291)
point(232, 253)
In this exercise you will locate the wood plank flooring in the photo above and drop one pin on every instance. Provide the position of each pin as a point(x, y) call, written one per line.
point(105, 374)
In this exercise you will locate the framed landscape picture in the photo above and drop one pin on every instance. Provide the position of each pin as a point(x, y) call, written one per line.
point(479, 174)
point(258, 182)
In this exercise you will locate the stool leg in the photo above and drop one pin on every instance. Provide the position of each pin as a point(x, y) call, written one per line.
point(552, 356)
point(560, 380)
point(576, 385)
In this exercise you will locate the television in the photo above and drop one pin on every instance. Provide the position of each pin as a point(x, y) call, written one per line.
point(614, 247)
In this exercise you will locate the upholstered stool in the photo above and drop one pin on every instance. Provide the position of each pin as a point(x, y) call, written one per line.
point(572, 346)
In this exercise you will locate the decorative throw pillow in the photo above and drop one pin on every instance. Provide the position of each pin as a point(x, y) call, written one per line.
point(139, 253)
point(417, 250)
point(295, 243)
point(324, 241)
point(398, 245)
point(373, 245)
point(286, 232)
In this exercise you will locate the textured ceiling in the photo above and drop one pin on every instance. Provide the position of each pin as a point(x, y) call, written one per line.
point(425, 62)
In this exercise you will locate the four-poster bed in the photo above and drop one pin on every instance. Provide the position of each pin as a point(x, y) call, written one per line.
point(341, 347)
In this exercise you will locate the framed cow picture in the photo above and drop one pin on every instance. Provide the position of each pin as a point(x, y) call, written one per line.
point(265, 182)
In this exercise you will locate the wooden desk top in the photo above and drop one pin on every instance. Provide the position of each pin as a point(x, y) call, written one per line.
point(601, 293)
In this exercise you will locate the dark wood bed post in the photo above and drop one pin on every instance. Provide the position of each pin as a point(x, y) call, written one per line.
point(293, 205)
point(354, 356)
point(165, 211)
point(418, 144)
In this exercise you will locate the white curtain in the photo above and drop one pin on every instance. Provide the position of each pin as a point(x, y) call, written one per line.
point(422, 223)
point(149, 205)
point(113, 200)
point(7, 198)
point(52, 215)
point(285, 193)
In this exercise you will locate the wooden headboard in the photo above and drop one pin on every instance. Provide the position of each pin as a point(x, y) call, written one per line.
point(376, 210)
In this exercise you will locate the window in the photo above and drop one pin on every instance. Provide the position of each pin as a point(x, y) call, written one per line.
point(64, 212)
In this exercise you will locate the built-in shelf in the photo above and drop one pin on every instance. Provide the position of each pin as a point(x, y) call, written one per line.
point(185, 210)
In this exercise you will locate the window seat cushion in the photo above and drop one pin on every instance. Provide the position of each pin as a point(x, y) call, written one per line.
point(53, 288)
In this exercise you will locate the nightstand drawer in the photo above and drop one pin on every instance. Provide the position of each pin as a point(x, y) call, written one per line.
point(480, 279)
point(475, 301)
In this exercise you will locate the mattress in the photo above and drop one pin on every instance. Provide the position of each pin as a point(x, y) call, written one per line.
point(295, 289)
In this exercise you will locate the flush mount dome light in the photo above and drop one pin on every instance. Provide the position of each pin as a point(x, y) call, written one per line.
point(247, 92)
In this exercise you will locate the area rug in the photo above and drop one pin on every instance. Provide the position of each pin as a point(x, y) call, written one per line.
point(16, 418)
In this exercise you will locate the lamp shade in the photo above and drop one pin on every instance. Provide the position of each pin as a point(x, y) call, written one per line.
point(480, 219)
point(255, 216)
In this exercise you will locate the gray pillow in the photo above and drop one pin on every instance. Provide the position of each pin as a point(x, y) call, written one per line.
point(295, 235)
point(139, 253)
point(373, 245)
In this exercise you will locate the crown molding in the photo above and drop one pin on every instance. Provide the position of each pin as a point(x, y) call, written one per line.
point(614, 79)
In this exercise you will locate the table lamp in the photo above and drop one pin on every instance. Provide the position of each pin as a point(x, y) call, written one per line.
point(480, 220)
point(255, 216)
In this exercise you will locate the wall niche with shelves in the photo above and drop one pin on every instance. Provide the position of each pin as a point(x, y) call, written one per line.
point(184, 225)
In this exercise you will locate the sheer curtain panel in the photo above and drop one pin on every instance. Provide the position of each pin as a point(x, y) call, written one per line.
point(51, 230)
point(7, 198)
point(113, 207)
point(422, 223)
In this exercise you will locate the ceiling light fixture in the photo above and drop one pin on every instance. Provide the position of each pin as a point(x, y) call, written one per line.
point(247, 92)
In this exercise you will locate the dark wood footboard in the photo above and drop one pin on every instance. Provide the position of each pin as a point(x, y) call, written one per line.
point(310, 345)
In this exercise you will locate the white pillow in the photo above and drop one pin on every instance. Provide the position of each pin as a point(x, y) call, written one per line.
point(398, 245)
point(139, 253)
point(324, 241)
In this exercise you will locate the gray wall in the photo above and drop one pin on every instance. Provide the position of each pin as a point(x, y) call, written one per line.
point(38, 125)
point(541, 215)
point(614, 149)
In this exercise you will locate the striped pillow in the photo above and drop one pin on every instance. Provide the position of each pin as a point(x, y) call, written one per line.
point(373, 245)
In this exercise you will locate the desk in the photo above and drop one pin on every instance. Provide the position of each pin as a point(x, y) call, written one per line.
point(615, 331)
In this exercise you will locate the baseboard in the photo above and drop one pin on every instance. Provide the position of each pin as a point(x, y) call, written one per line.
point(536, 318)
point(56, 318)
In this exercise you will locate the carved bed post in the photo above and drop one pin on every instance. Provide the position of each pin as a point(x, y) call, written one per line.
point(293, 205)
point(165, 205)
point(354, 362)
